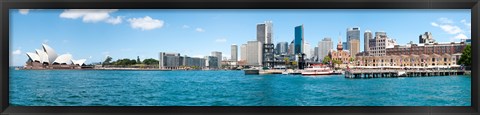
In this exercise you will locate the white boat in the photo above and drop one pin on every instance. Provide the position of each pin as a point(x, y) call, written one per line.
point(318, 70)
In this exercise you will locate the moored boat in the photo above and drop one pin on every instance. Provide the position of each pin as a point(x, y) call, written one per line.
point(318, 70)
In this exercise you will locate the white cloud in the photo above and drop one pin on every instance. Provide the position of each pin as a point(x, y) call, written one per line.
point(24, 11)
point(146, 23)
point(450, 29)
point(88, 15)
point(45, 41)
point(17, 52)
point(221, 40)
point(185, 26)
point(445, 21)
point(460, 36)
point(464, 22)
point(114, 21)
point(200, 30)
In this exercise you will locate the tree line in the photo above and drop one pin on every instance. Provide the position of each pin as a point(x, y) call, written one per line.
point(129, 62)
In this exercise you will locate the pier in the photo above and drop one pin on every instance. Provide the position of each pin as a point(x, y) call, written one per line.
point(377, 73)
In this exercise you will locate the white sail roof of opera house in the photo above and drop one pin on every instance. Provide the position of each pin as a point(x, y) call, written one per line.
point(79, 62)
point(65, 58)
point(43, 56)
point(52, 56)
point(33, 56)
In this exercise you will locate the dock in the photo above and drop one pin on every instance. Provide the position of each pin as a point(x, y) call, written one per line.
point(376, 73)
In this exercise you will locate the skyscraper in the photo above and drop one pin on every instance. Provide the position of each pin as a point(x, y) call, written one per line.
point(234, 53)
point(352, 33)
point(243, 52)
point(219, 57)
point(254, 53)
point(264, 32)
point(306, 49)
point(324, 47)
point(367, 36)
point(282, 48)
point(298, 42)
point(354, 47)
point(426, 38)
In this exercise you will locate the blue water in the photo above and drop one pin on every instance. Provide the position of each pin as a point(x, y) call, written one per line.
point(228, 88)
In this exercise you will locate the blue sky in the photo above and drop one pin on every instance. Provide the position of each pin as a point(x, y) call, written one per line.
point(94, 34)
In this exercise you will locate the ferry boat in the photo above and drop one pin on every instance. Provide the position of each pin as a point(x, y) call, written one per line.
point(318, 70)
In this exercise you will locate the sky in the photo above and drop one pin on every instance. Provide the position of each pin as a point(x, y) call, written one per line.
point(93, 34)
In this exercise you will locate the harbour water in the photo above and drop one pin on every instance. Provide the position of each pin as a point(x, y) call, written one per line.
point(228, 88)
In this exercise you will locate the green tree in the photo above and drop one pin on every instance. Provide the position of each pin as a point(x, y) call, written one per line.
point(326, 60)
point(466, 58)
point(150, 61)
point(287, 62)
point(138, 60)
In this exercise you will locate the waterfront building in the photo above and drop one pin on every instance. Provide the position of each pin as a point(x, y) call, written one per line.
point(378, 45)
point(243, 52)
point(254, 53)
point(265, 35)
point(352, 33)
point(219, 57)
point(421, 55)
point(234, 53)
point(367, 36)
point(47, 58)
point(324, 47)
point(299, 39)
point(419, 49)
point(354, 47)
point(169, 60)
point(340, 55)
point(282, 48)
point(426, 38)
point(211, 62)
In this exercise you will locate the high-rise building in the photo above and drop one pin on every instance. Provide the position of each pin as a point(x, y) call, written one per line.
point(219, 57)
point(352, 33)
point(298, 42)
point(306, 49)
point(315, 52)
point(426, 38)
point(367, 36)
point(243, 52)
point(234, 53)
point(264, 32)
point(345, 44)
point(378, 45)
point(282, 48)
point(291, 48)
point(324, 47)
point(254, 53)
point(354, 47)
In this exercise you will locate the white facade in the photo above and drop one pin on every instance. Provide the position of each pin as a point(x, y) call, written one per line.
point(243, 52)
point(254, 53)
point(324, 47)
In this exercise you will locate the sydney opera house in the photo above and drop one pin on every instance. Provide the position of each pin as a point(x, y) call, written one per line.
point(47, 58)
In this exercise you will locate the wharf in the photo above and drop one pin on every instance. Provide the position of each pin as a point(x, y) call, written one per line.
point(376, 73)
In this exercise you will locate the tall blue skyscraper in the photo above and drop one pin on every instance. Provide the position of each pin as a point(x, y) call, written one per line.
point(298, 42)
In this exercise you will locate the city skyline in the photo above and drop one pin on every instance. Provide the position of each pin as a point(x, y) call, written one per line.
point(147, 32)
